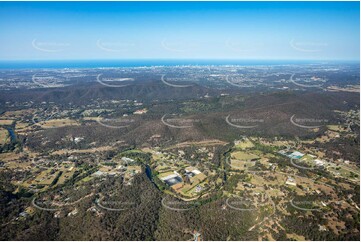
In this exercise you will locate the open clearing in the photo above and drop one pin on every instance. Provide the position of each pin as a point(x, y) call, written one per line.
point(6, 121)
point(56, 123)
point(336, 128)
point(18, 113)
point(92, 150)
point(241, 165)
point(199, 143)
point(244, 144)
point(240, 155)
point(4, 135)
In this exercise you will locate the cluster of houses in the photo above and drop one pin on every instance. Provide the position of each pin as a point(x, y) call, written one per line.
point(192, 177)
point(294, 154)
point(126, 167)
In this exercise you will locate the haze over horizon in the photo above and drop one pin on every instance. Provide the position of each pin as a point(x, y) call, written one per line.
point(180, 30)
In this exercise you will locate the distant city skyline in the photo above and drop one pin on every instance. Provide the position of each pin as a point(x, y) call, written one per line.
point(179, 30)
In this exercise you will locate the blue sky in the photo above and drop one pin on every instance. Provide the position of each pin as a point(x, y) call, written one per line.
point(179, 30)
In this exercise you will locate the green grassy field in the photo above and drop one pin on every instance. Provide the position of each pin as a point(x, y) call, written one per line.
point(241, 155)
